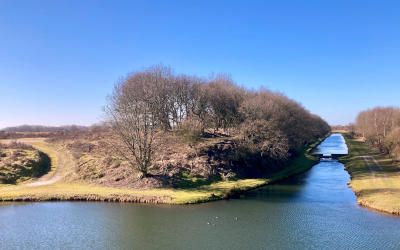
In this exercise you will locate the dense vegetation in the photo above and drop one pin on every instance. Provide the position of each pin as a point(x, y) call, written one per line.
point(266, 128)
point(381, 128)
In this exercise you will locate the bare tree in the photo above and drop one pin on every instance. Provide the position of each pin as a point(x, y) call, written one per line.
point(156, 99)
point(393, 143)
point(131, 112)
point(297, 124)
point(263, 137)
point(224, 100)
point(199, 104)
point(376, 124)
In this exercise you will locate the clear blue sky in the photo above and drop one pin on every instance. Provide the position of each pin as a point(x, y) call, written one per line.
point(60, 59)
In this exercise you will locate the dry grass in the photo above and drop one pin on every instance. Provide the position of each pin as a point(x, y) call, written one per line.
point(51, 151)
point(79, 191)
point(204, 193)
point(75, 191)
point(21, 162)
point(214, 191)
point(376, 183)
point(41, 145)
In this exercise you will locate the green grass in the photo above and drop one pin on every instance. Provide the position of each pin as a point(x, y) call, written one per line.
point(377, 185)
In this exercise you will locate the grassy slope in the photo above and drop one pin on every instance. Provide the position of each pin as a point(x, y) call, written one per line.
point(41, 145)
point(214, 191)
point(24, 171)
point(376, 187)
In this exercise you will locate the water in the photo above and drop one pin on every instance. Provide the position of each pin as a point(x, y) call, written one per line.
point(334, 144)
point(315, 210)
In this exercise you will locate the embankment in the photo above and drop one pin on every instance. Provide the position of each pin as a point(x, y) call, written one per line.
point(375, 177)
point(62, 191)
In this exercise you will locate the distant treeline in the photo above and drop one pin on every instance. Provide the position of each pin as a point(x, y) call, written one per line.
point(43, 129)
point(381, 127)
point(50, 131)
point(348, 128)
point(267, 124)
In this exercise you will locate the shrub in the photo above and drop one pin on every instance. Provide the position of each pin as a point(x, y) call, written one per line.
point(191, 131)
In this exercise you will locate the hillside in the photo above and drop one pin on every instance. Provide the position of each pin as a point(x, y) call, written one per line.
point(19, 162)
point(176, 163)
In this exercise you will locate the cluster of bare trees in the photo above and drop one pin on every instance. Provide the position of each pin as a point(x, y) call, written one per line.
point(381, 127)
point(156, 100)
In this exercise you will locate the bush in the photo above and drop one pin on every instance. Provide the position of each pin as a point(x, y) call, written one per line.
point(191, 131)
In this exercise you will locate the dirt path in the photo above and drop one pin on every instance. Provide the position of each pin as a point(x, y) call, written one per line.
point(61, 161)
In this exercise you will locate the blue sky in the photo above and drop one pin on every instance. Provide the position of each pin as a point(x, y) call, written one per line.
point(60, 59)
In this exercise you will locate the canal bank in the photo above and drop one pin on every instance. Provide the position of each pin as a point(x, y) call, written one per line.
point(215, 191)
point(375, 178)
point(62, 191)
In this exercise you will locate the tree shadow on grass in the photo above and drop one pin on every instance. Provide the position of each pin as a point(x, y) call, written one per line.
point(373, 191)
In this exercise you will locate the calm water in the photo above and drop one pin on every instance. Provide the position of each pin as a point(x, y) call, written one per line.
point(334, 144)
point(315, 210)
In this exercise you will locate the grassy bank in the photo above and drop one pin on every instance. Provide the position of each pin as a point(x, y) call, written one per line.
point(204, 193)
point(375, 178)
